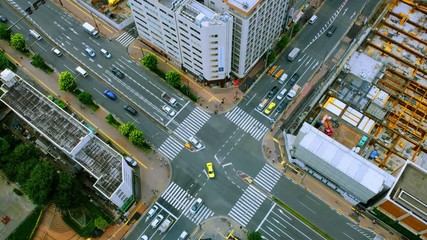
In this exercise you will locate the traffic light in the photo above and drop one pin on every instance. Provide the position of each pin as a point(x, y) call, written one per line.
point(29, 10)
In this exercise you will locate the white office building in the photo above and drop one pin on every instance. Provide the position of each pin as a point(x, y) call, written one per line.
point(212, 39)
point(191, 35)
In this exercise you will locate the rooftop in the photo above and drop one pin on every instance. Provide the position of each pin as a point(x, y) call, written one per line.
point(201, 15)
point(243, 6)
point(96, 157)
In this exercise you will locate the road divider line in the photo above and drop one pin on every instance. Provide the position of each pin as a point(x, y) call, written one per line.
point(266, 215)
point(227, 164)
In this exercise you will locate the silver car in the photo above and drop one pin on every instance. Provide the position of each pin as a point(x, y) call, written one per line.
point(90, 52)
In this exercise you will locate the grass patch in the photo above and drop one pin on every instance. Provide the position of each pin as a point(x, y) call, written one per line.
point(395, 225)
point(112, 121)
point(26, 228)
point(302, 219)
point(91, 212)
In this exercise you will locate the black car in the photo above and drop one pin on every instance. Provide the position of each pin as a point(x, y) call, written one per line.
point(118, 73)
point(272, 92)
point(293, 79)
point(3, 19)
point(282, 106)
point(130, 109)
point(331, 30)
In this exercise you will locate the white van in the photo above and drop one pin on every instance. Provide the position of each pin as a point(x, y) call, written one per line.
point(312, 19)
point(81, 71)
point(35, 34)
point(293, 54)
point(281, 94)
point(283, 78)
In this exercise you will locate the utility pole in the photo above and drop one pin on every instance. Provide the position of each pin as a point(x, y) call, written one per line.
point(29, 11)
point(96, 25)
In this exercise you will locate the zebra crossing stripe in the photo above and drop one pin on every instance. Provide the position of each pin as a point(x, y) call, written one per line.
point(167, 189)
point(247, 205)
point(268, 177)
point(170, 148)
point(125, 39)
point(171, 192)
point(247, 123)
point(192, 124)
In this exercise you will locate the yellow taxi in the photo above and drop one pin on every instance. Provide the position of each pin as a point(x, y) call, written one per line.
point(209, 169)
point(270, 108)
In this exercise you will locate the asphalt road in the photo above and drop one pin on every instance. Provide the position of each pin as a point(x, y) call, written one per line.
point(232, 140)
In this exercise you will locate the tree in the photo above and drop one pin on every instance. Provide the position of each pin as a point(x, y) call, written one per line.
point(150, 61)
point(67, 82)
point(271, 56)
point(254, 236)
point(127, 128)
point(25, 151)
point(24, 170)
point(5, 32)
point(296, 28)
point(173, 78)
point(283, 42)
point(85, 98)
point(17, 41)
point(136, 137)
point(6, 63)
point(38, 61)
point(101, 223)
point(4, 146)
point(66, 192)
point(38, 187)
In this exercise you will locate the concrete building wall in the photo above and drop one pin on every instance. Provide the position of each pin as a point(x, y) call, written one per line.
point(124, 191)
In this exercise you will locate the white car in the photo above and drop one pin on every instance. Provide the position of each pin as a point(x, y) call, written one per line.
point(131, 162)
point(196, 143)
point(196, 206)
point(144, 237)
point(106, 53)
point(168, 110)
point(156, 222)
point(57, 52)
point(152, 211)
point(90, 52)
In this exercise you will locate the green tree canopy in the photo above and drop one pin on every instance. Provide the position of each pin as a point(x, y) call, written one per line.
point(101, 223)
point(17, 41)
point(24, 169)
point(150, 61)
point(254, 236)
point(271, 56)
point(25, 151)
point(67, 82)
point(283, 42)
point(127, 128)
point(173, 78)
point(5, 32)
point(6, 63)
point(4, 146)
point(66, 192)
point(40, 182)
point(38, 61)
point(136, 137)
point(85, 98)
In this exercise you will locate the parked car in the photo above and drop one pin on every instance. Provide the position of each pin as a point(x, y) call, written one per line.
point(131, 161)
point(130, 109)
point(90, 52)
point(272, 92)
point(294, 79)
point(168, 110)
point(156, 222)
point(196, 205)
point(144, 237)
point(106, 53)
point(282, 106)
point(117, 72)
point(152, 211)
point(209, 169)
point(109, 94)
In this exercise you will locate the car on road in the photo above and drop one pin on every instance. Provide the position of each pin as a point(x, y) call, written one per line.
point(294, 79)
point(168, 110)
point(152, 211)
point(90, 52)
point(209, 169)
point(331, 30)
point(272, 92)
point(117, 72)
point(56, 52)
point(3, 19)
point(196, 205)
point(144, 237)
point(109, 94)
point(270, 108)
point(106, 53)
point(131, 161)
point(183, 235)
point(282, 106)
point(156, 222)
point(130, 109)
point(195, 142)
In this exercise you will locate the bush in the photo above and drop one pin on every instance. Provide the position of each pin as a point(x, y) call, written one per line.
point(26, 228)
point(112, 121)
point(85, 98)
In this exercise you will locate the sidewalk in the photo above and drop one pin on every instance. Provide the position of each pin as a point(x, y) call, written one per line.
point(153, 173)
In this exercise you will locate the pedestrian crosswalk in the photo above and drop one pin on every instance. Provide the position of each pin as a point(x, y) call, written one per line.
point(170, 148)
point(192, 124)
point(247, 205)
point(267, 177)
point(182, 201)
point(125, 39)
point(246, 122)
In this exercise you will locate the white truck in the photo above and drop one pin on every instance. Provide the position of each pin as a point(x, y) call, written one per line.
point(166, 224)
point(170, 100)
point(293, 92)
point(293, 54)
point(91, 30)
